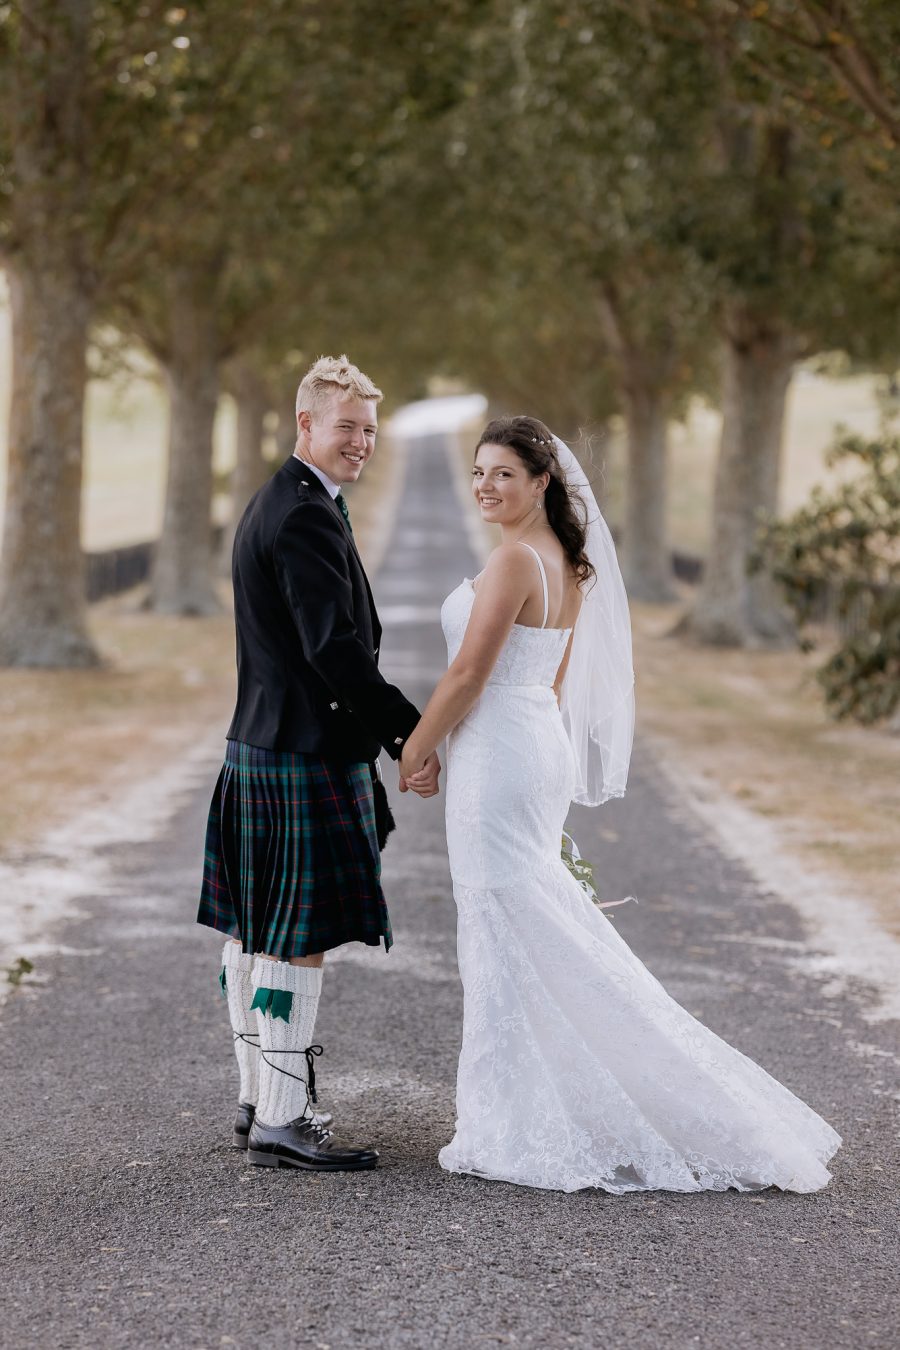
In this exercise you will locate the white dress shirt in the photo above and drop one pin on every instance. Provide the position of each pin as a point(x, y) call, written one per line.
point(331, 488)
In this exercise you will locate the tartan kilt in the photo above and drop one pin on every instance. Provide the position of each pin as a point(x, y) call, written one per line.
point(292, 865)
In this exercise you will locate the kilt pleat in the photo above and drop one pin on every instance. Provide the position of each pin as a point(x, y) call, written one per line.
point(291, 863)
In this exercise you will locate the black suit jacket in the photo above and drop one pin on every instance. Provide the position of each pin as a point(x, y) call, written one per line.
point(307, 630)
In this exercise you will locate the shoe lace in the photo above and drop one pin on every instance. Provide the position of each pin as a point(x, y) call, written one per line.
point(319, 1133)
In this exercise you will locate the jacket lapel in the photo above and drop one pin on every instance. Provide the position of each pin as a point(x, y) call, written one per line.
point(297, 470)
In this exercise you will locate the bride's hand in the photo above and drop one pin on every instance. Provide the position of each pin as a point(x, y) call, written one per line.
point(420, 776)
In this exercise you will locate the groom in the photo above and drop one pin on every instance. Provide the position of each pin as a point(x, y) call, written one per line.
point(292, 862)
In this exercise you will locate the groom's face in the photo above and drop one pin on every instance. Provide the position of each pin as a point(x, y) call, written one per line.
point(340, 439)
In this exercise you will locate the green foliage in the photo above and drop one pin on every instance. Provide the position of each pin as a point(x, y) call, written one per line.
point(17, 970)
point(463, 189)
point(844, 547)
point(583, 168)
point(581, 869)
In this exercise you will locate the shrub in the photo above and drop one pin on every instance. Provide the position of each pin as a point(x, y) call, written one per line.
point(838, 558)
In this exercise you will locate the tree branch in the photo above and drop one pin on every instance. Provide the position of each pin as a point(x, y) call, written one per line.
point(855, 64)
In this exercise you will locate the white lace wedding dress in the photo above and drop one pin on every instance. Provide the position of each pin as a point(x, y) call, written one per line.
point(577, 1068)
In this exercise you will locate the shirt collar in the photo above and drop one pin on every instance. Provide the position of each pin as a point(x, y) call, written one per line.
point(331, 488)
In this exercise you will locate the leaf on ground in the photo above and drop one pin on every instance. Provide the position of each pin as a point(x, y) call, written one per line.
point(18, 970)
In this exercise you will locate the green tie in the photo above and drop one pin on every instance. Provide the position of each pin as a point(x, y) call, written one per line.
point(342, 504)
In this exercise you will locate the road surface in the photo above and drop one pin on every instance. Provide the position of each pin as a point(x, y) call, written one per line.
point(127, 1219)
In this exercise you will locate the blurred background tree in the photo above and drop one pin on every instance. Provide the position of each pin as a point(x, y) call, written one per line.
point(55, 219)
point(590, 209)
point(809, 95)
point(564, 167)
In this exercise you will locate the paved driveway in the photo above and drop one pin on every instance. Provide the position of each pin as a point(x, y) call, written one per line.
point(127, 1220)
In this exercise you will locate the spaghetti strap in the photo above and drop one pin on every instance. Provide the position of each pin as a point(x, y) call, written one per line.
point(543, 580)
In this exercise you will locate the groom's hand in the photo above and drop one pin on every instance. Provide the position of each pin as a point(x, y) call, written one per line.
point(422, 780)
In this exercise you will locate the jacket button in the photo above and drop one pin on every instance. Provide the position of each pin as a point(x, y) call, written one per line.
point(333, 707)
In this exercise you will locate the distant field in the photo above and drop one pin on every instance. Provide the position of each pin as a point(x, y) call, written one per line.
point(126, 436)
point(126, 428)
point(816, 405)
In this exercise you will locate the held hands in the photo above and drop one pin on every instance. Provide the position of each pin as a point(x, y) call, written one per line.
point(417, 775)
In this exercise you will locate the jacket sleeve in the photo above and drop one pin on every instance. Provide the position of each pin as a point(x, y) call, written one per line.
point(311, 562)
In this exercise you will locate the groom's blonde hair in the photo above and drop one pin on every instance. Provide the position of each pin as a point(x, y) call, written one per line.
point(333, 375)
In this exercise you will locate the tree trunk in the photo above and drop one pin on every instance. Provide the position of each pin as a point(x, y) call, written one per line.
point(646, 558)
point(286, 433)
point(644, 377)
point(250, 469)
point(731, 610)
point(43, 613)
point(182, 580)
point(769, 616)
point(250, 472)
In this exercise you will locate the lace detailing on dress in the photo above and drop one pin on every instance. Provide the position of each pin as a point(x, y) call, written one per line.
point(577, 1069)
point(530, 655)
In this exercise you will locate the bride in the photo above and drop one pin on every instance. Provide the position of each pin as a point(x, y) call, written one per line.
point(576, 1068)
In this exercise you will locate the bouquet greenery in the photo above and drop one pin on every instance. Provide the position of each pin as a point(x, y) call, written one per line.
point(583, 872)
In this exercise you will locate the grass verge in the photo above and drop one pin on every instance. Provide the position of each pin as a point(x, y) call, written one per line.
point(70, 738)
point(753, 726)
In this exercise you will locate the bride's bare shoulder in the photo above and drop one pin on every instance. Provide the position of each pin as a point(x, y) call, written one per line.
point(506, 571)
point(507, 558)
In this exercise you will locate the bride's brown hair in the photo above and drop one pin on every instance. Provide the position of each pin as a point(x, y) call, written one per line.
point(532, 441)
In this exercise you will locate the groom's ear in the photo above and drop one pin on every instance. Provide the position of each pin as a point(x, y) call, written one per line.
point(304, 421)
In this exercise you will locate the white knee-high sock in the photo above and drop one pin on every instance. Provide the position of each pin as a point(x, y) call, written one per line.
point(238, 978)
point(282, 1065)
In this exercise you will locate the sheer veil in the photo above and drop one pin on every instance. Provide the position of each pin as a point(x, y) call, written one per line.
point(597, 700)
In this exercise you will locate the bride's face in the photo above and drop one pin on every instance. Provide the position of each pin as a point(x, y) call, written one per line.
point(504, 489)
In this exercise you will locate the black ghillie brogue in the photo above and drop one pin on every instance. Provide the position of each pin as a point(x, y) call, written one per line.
point(244, 1117)
point(242, 1121)
point(307, 1145)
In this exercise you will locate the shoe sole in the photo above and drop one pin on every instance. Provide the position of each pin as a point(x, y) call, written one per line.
point(256, 1159)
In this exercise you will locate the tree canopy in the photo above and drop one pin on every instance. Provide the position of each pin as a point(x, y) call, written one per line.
point(581, 208)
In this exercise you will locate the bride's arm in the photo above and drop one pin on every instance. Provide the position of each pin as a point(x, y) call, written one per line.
point(504, 587)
